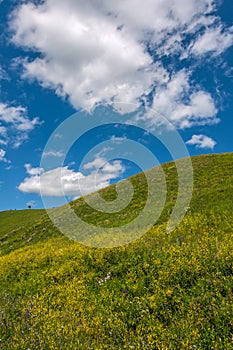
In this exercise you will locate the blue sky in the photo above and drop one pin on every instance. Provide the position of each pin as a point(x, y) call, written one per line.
point(59, 58)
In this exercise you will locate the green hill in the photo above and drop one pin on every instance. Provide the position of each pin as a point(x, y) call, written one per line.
point(161, 291)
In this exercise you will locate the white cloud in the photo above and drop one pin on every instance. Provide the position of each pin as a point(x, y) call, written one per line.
point(3, 74)
point(95, 164)
point(3, 131)
point(96, 51)
point(214, 40)
point(33, 171)
point(15, 124)
point(52, 153)
point(183, 105)
point(3, 142)
point(202, 141)
point(3, 158)
point(2, 155)
point(3, 135)
point(64, 181)
point(118, 140)
point(85, 56)
point(31, 204)
point(58, 136)
point(17, 116)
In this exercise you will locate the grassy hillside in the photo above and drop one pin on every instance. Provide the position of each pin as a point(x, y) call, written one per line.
point(162, 291)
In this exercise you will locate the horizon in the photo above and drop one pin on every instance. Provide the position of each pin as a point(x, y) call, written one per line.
point(165, 163)
point(172, 76)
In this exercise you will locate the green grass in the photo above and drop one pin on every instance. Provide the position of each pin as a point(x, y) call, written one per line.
point(14, 219)
point(19, 227)
point(162, 291)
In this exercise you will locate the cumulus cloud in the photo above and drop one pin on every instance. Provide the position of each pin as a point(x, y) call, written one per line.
point(85, 56)
point(182, 105)
point(97, 51)
point(15, 125)
point(64, 181)
point(17, 116)
point(33, 171)
point(202, 141)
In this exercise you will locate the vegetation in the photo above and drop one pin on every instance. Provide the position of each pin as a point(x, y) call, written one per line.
point(162, 291)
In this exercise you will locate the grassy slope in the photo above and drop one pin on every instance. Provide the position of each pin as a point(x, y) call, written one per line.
point(12, 219)
point(160, 292)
